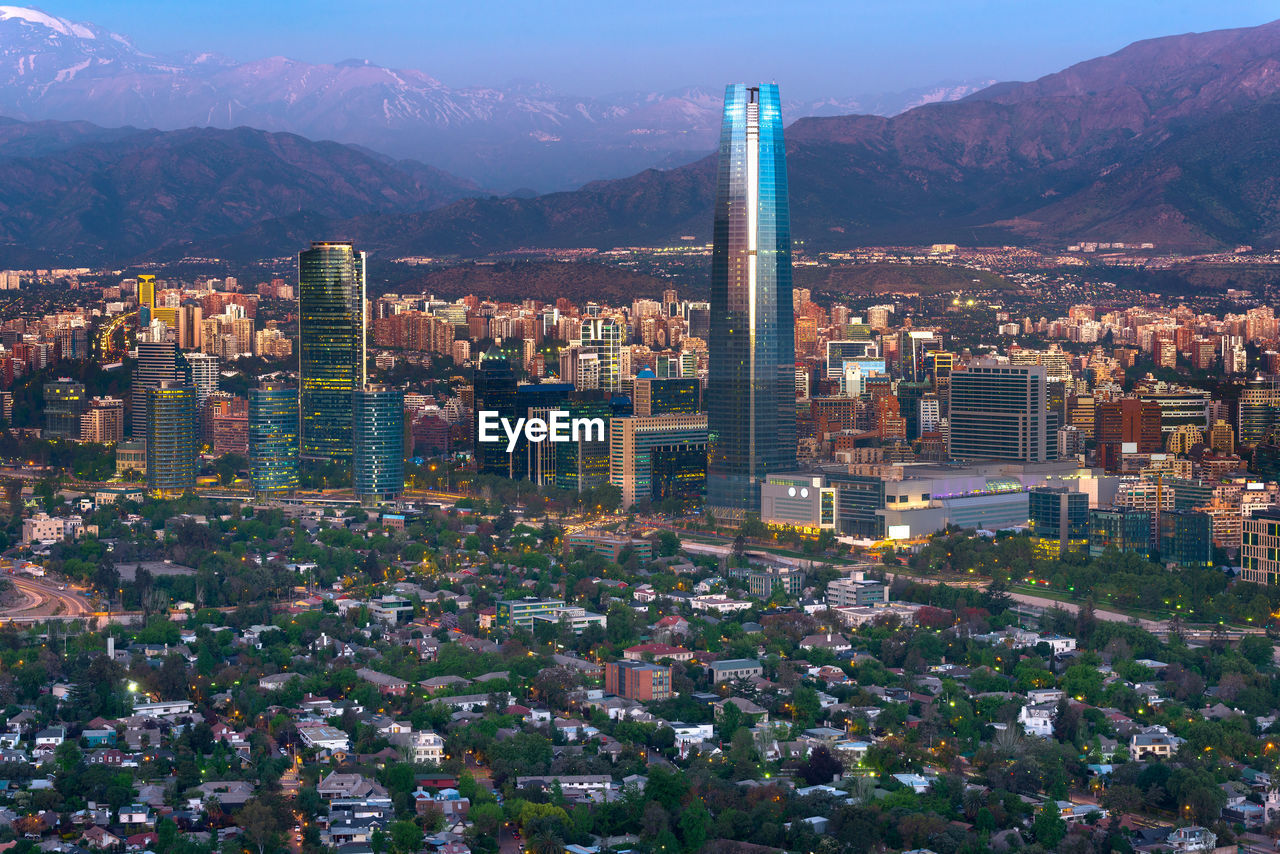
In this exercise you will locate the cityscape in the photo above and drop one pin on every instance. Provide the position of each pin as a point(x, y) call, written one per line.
point(891, 472)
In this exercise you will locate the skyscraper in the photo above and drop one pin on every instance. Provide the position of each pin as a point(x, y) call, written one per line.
point(378, 417)
point(495, 391)
point(998, 412)
point(204, 375)
point(331, 346)
point(171, 438)
point(750, 391)
point(157, 363)
point(273, 438)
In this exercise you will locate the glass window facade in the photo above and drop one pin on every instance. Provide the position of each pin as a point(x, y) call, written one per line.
point(273, 438)
point(64, 403)
point(171, 439)
point(750, 392)
point(331, 346)
point(1000, 413)
point(378, 471)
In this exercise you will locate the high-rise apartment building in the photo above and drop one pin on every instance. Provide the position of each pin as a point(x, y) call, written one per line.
point(331, 346)
point(204, 374)
point(158, 362)
point(751, 382)
point(64, 404)
point(605, 337)
point(273, 438)
point(171, 438)
point(378, 422)
point(998, 412)
point(103, 421)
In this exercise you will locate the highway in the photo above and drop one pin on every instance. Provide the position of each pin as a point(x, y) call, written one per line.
point(41, 599)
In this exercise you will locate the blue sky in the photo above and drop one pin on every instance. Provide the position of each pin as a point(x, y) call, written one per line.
point(814, 49)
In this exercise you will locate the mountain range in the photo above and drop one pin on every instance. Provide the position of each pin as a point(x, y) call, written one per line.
point(522, 136)
point(1169, 140)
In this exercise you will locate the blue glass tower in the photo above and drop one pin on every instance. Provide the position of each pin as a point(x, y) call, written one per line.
point(751, 383)
point(273, 438)
point(378, 419)
point(331, 346)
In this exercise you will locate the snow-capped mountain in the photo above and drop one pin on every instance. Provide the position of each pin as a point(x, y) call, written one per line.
point(520, 136)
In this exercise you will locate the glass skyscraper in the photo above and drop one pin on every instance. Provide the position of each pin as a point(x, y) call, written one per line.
point(171, 438)
point(751, 405)
point(273, 438)
point(331, 346)
point(378, 470)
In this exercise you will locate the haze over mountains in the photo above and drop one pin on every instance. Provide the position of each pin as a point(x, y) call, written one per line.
point(524, 136)
point(1170, 140)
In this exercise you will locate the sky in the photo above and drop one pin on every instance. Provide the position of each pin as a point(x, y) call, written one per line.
point(839, 48)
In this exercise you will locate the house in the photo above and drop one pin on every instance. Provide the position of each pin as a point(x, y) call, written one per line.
point(98, 737)
point(1159, 745)
point(164, 708)
point(591, 786)
point(231, 794)
point(1037, 719)
point(435, 683)
point(426, 747)
point(829, 641)
point(734, 668)
point(1192, 838)
point(47, 740)
point(276, 681)
point(342, 786)
point(98, 837)
point(323, 737)
point(391, 685)
point(656, 652)
point(136, 815)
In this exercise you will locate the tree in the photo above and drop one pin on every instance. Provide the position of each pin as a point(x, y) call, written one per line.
point(406, 837)
point(694, 823)
point(259, 824)
point(1049, 828)
point(821, 767)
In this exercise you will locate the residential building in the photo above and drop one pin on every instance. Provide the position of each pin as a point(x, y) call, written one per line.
point(378, 423)
point(171, 438)
point(637, 680)
point(734, 668)
point(273, 438)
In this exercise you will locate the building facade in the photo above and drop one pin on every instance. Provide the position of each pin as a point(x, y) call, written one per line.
point(1000, 412)
point(378, 471)
point(750, 391)
point(273, 438)
point(331, 346)
point(171, 438)
point(658, 457)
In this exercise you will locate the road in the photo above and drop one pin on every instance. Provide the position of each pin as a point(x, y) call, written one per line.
point(42, 598)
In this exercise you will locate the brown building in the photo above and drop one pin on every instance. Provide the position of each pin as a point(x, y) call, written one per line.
point(1126, 421)
point(638, 680)
point(228, 424)
point(104, 421)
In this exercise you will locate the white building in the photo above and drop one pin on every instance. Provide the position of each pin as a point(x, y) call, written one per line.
point(426, 747)
point(43, 528)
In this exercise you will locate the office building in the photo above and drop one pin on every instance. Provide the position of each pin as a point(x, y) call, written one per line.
point(64, 404)
point(158, 362)
point(637, 680)
point(1059, 521)
point(1260, 548)
point(1126, 426)
point(798, 501)
point(751, 383)
point(103, 421)
point(763, 582)
point(583, 464)
point(519, 613)
point(913, 345)
point(378, 470)
point(999, 412)
point(653, 458)
point(1259, 402)
point(856, 591)
point(331, 346)
point(1124, 528)
point(653, 396)
point(171, 438)
point(1186, 539)
point(273, 438)
point(495, 391)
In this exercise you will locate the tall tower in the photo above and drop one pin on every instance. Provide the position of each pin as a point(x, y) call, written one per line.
point(378, 470)
point(171, 438)
point(751, 405)
point(157, 362)
point(331, 346)
point(273, 438)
